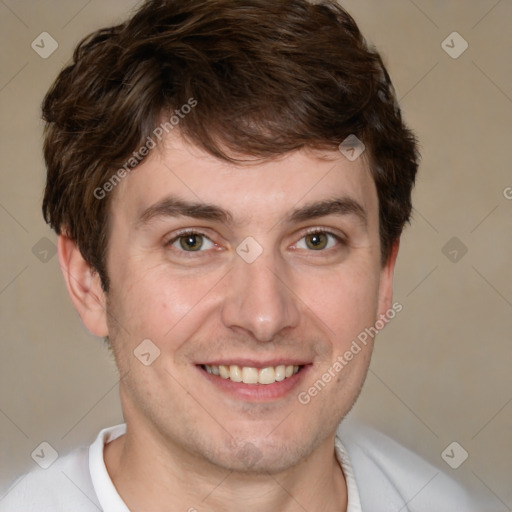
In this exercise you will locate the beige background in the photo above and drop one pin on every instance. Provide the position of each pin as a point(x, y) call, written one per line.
point(442, 369)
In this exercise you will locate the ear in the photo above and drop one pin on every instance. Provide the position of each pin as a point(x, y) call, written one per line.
point(84, 286)
point(386, 279)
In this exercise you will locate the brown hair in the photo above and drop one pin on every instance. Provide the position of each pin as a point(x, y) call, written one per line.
point(268, 77)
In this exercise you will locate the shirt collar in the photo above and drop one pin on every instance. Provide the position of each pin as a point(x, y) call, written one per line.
point(354, 502)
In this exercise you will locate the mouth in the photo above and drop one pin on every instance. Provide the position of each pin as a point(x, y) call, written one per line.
point(251, 375)
point(255, 382)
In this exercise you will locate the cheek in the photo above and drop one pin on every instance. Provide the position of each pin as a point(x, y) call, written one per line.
point(346, 301)
point(154, 304)
point(346, 306)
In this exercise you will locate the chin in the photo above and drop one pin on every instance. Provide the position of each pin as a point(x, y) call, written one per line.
point(262, 456)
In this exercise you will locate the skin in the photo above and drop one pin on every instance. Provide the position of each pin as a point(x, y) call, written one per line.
point(185, 438)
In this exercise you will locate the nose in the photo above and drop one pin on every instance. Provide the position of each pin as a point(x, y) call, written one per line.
point(260, 299)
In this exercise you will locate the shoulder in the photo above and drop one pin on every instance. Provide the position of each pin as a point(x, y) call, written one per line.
point(390, 477)
point(35, 491)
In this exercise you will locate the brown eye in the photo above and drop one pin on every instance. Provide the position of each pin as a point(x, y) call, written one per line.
point(317, 241)
point(191, 242)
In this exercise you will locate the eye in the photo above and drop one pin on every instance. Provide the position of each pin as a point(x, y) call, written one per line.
point(318, 241)
point(191, 242)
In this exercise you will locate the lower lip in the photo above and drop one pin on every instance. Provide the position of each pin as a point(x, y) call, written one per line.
point(257, 392)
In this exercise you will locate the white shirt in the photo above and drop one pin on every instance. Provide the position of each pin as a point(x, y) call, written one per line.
point(381, 476)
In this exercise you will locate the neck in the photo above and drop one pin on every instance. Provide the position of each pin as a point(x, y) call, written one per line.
point(149, 476)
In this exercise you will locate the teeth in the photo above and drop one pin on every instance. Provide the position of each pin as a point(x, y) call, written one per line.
point(249, 375)
point(280, 372)
point(224, 372)
point(235, 373)
point(267, 375)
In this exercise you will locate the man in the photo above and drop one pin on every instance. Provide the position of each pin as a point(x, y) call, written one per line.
point(229, 180)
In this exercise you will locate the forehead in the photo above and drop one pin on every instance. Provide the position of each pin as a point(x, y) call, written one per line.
point(247, 191)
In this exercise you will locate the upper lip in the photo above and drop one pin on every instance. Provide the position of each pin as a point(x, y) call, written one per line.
point(253, 363)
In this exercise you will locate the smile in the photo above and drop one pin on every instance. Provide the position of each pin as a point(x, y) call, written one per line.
point(251, 375)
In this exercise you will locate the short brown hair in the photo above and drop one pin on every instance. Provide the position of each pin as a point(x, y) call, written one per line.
point(268, 77)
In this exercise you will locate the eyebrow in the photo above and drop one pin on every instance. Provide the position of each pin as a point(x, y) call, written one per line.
point(338, 206)
point(172, 206)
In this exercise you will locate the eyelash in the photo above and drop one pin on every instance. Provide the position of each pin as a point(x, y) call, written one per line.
point(312, 231)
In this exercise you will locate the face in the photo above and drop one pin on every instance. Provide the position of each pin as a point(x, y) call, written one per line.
point(243, 271)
